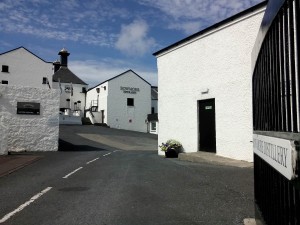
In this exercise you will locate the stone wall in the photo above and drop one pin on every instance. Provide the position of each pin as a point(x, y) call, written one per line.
point(21, 132)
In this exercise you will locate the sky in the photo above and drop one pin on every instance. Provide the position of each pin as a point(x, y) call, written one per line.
point(107, 37)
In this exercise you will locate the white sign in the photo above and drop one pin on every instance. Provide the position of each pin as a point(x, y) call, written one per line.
point(279, 153)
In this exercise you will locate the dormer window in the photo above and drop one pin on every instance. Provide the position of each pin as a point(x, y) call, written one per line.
point(4, 68)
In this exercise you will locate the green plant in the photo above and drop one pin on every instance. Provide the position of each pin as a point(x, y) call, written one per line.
point(171, 143)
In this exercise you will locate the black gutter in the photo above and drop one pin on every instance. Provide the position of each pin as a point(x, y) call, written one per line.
point(213, 27)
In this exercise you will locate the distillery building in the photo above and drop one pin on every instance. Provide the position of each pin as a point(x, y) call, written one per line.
point(72, 89)
point(122, 102)
point(20, 66)
point(210, 105)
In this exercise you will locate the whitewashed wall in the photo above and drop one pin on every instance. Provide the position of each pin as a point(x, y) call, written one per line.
point(78, 95)
point(101, 98)
point(119, 114)
point(221, 62)
point(114, 103)
point(28, 132)
point(25, 69)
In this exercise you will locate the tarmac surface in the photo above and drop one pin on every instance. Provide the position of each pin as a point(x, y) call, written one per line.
point(86, 139)
point(15, 161)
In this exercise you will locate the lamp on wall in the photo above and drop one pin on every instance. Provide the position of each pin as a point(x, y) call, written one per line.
point(204, 91)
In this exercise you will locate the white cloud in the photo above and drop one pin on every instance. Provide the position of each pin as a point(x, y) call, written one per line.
point(133, 39)
point(183, 14)
point(94, 72)
point(186, 27)
point(69, 20)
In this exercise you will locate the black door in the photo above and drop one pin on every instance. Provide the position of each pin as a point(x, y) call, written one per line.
point(207, 125)
point(102, 116)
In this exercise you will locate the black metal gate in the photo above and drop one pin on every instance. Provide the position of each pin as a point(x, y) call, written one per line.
point(276, 104)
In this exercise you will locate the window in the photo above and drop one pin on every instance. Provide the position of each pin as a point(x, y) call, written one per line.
point(5, 68)
point(45, 80)
point(4, 82)
point(130, 101)
point(153, 126)
point(83, 90)
point(152, 110)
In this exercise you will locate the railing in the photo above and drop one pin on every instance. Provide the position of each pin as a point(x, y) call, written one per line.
point(276, 111)
point(94, 106)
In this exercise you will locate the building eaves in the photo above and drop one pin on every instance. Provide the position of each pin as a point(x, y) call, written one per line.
point(27, 51)
point(130, 70)
point(211, 28)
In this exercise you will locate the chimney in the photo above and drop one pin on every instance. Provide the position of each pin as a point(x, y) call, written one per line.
point(64, 57)
point(56, 65)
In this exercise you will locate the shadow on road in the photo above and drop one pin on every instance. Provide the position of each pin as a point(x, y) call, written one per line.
point(67, 146)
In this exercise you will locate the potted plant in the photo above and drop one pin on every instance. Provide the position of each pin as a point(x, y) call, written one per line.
point(171, 148)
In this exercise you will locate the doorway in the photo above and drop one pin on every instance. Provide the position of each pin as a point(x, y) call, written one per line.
point(102, 116)
point(207, 125)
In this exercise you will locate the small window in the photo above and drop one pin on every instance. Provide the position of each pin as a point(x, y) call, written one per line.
point(104, 88)
point(153, 126)
point(130, 101)
point(4, 82)
point(45, 80)
point(5, 68)
point(83, 90)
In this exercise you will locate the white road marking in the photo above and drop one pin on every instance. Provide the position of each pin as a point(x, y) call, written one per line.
point(107, 154)
point(72, 172)
point(21, 207)
point(115, 150)
point(92, 160)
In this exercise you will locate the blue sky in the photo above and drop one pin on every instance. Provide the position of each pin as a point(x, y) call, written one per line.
point(108, 37)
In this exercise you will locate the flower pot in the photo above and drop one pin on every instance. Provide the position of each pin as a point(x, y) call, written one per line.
point(171, 153)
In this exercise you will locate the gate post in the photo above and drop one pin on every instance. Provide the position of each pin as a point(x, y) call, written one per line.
point(276, 115)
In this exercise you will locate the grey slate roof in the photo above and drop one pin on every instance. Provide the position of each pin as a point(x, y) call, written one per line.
point(66, 76)
point(152, 117)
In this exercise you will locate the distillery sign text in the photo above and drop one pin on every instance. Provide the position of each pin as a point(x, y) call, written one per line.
point(280, 153)
point(129, 90)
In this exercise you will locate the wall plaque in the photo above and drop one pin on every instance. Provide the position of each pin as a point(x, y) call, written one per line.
point(29, 108)
point(281, 154)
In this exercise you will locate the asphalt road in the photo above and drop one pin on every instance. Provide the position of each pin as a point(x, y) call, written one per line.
point(124, 187)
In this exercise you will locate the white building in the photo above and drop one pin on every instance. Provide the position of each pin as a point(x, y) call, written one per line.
point(73, 90)
point(122, 102)
point(22, 67)
point(152, 118)
point(209, 107)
